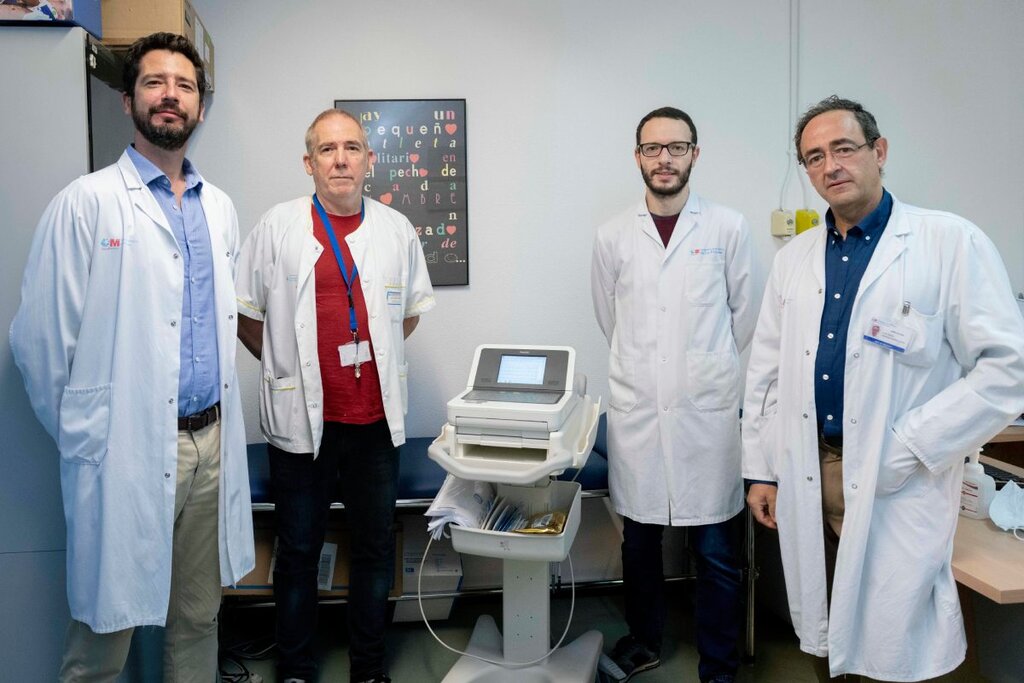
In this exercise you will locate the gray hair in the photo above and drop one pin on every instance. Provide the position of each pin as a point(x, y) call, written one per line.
point(835, 103)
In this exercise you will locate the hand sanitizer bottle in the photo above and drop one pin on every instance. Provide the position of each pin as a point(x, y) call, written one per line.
point(977, 491)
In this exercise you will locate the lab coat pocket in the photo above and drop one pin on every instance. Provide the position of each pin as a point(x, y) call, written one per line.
point(898, 464)
point(84, 424)
point(705, 283)
point(279, 404)
point(403, 383)
point(923, 348)
point(712, 379)
point(621, 383)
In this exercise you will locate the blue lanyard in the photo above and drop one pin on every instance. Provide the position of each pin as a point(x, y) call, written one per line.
point(348, 278)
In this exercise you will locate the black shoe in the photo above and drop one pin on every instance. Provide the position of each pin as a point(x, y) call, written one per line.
point(633, 657)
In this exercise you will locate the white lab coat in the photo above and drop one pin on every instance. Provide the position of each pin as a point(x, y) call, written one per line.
point(276, 284)
point(676, 319)
point(909, 420)
point(97, 340)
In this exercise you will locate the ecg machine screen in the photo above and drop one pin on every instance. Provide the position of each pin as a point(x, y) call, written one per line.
point(521, 369)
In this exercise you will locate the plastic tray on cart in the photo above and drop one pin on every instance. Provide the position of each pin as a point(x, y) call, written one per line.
point(506, 545)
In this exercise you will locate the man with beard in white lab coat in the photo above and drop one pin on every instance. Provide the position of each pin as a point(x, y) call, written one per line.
point(888, 348)
point(126, 340)
point(670, 281)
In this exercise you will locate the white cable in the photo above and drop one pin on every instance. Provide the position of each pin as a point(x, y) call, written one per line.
point(794, 85)
point(506, 664)
point(794, 97)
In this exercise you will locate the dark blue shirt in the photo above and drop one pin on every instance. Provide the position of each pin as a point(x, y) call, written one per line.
point(199, 374)
point(845, 263)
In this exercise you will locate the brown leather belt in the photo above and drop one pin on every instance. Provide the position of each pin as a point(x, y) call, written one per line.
point(193, 423)
point(831, 444)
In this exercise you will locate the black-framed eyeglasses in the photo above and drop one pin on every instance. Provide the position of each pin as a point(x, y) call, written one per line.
point(676, 149)
point(841, 151)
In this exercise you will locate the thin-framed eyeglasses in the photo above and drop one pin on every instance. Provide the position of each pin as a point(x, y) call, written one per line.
point(842, 151)
point(676, 149)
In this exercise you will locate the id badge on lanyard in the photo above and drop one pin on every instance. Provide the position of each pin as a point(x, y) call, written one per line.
point(355, 352)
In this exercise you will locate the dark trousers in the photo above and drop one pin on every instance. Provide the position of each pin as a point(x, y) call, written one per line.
point(719, 577)
point(362, 459)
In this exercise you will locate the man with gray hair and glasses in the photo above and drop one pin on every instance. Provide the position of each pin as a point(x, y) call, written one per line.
point(888, 348)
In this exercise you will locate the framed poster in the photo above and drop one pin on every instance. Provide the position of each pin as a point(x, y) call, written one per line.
point(421, 171)
point(84, 13)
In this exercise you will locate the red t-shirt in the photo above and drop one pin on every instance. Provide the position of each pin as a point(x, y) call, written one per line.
point(665, 226)
point(346, 399)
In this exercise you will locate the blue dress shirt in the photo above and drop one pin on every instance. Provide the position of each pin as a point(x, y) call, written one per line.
point(199, 375)
point(845, 263)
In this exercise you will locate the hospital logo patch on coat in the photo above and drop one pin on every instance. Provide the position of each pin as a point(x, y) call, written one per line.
point(707, 251)
point(110, 243)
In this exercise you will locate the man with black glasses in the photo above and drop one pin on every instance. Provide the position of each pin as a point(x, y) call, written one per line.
point(671, 287)
point(888, 348)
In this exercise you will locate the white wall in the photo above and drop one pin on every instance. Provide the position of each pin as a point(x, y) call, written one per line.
point(554, 91)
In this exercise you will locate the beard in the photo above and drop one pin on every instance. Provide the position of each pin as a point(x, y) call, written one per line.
point(671, 190)
point(166, 136)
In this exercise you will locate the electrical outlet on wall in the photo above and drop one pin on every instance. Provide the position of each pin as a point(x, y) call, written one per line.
point(783, 224)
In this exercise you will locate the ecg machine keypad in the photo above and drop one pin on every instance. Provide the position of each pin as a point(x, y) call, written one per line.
point(536, 397)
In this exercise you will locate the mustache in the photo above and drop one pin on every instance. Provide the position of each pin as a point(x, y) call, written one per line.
point(164, 108)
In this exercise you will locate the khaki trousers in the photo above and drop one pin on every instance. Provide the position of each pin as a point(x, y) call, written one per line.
point(190, 637)
point(833, 507)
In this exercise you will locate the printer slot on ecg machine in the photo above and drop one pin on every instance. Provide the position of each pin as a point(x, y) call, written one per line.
point(523, 419)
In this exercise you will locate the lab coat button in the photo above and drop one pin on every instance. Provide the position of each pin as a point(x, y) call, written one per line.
point(853, 421)
point(175, 256)
point(665, 409)
point(807, 353)
point(225, 386)
point(170, 400)
point(805, 416)
point(853, 486)
point(810, 478)
point(301, 325)
point(856, 355)
point(308, 363)
point(231, 316)
point(313, 405)
point(167, 475)
point(662, 309)
point(174, 323)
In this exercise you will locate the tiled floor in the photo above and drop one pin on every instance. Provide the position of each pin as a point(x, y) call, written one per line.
point(416, 657)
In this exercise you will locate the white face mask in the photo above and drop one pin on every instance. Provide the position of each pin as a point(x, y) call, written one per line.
point(1007, 509)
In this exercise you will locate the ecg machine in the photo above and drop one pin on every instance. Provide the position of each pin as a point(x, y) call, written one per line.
point(523, 418)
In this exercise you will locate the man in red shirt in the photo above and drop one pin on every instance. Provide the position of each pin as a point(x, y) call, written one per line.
point(329, 287)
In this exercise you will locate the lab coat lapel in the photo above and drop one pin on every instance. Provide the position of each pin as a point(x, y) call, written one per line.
point(892, 244)
point(141, 197)
point(689, 219)
point(645, 222)
point(311, 248)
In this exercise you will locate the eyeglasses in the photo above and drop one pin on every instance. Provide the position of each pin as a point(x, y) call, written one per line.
point(843, 151)
point(676, 149)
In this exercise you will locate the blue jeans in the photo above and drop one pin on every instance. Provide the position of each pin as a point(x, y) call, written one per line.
point(717, 609)
point(360, 463)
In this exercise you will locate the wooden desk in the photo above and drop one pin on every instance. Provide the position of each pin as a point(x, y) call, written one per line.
point(1011, 433)
point(988, 559)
